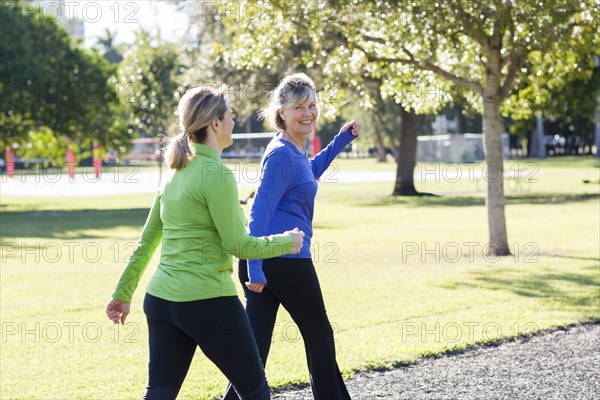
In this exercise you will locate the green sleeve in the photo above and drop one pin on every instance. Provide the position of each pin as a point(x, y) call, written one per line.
point(228, 217)
point(141, 256)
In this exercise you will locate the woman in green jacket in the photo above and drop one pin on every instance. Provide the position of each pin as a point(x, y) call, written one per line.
point(191, 299)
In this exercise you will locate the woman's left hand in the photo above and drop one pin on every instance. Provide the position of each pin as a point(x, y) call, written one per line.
point(255, 286)
point(351, 125)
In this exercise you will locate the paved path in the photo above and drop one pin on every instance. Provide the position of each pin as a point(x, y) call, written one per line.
point(563, 364)
point(131, 179)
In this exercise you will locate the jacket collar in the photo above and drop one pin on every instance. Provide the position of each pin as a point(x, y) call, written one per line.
point(204, 150)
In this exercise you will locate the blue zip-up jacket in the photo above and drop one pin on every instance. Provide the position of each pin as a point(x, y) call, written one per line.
point(285, 197)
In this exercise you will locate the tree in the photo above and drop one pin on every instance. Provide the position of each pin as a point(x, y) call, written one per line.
point(207, 60)
point(382, 120)
point(427, 52)
point(147, 79)
point(571, 106)
point(49, 84)
point(401, 126)
point(250, 86)
point(112, 53)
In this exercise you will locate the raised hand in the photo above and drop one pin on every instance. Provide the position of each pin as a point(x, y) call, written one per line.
point(351, 125)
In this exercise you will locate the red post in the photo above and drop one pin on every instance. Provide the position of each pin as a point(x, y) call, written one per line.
point(71, 163)
point(316, 144)
point(97, 159)
point(10, 162)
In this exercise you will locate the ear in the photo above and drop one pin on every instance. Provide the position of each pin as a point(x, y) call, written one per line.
point(281, 114)
point(215, 123)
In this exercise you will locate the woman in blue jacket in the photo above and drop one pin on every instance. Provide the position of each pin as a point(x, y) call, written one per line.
point(285, 199)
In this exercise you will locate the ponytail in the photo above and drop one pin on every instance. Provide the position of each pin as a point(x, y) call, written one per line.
point(178, 152)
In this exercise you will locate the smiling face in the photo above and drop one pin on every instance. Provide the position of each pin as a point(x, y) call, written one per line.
point(300, 118)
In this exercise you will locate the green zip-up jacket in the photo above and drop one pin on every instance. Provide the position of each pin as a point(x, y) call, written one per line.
point(198, 218)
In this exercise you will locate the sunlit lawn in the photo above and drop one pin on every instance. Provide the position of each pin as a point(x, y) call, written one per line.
point(402, 278)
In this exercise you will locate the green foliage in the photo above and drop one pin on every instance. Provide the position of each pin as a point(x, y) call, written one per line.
point(208, 60)
point(147, 79)
point(426, 53)
point(45, 143)
point(47, 81)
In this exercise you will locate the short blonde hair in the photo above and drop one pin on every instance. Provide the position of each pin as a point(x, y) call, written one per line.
point(293, 89)
point(198, 107)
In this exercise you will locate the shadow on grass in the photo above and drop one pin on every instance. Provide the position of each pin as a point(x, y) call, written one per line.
point(575, 258)
point(470, 201)
point(538, 284)
point(68, 224)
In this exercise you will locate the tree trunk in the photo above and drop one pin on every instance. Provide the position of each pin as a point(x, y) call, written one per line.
point(493, 128)
point(407, 155)
point(538, 148)
point(381, 153)
point(597, 127)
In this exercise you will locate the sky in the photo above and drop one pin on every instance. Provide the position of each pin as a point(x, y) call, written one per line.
point(128, 16)
point(123, 16)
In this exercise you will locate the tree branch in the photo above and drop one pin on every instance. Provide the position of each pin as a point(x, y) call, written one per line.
point(374, 39)
point(471, 28)
point(472, 86)
point(480, 61)
point(516, 61)
point(498, 28)
point(511, 31)
point(408, 53)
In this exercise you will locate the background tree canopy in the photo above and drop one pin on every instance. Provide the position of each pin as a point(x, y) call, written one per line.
point(148, 85)
point(51, 85)
point(500, 56)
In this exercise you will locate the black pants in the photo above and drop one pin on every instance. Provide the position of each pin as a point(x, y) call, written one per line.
point(293, 283)
point(219, 327)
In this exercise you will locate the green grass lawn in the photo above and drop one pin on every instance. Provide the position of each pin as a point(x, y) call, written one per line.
point(402, 278)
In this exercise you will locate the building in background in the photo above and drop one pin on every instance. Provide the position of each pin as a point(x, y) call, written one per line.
point(455, 148)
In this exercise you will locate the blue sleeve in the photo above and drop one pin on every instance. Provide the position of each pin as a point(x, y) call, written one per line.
point(325, 157)
point(271, 188)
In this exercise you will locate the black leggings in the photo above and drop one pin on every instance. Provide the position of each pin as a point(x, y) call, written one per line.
point(293, 283)
point(219, 327)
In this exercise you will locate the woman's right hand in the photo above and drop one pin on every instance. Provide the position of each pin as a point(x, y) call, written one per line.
point(117, 311)
point(352, 126)
point(298, 237)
